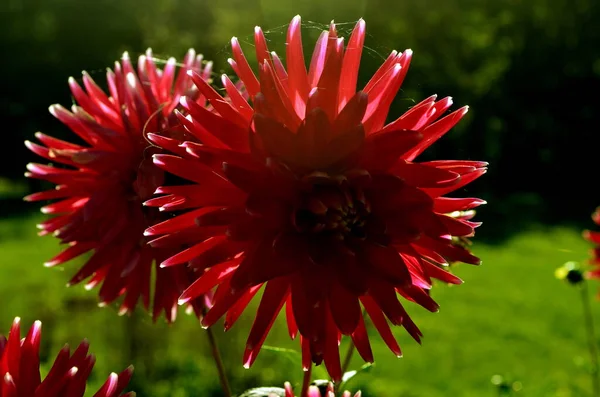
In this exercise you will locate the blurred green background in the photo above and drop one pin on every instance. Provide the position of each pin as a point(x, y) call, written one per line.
point(529, 69)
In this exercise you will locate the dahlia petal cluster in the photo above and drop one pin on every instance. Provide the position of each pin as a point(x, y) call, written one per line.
point(103, 180)
point(594, 237)
point(304, 190)
point(20, 373)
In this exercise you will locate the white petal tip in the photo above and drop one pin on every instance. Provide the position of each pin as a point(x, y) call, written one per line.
point(131, 79)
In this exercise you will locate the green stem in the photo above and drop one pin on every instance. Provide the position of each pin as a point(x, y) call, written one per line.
point(591, 336)
point(306, 382)
point(346, 364)
point(348, 357)
point(218, 362)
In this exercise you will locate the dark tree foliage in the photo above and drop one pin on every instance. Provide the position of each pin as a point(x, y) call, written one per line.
point(530, 70)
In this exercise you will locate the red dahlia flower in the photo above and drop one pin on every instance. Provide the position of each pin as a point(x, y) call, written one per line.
point(102, 182)
point(20, 372)
point(594, 237)
point(313, 195)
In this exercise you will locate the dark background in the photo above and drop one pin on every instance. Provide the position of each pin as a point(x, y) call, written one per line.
point(530, 70)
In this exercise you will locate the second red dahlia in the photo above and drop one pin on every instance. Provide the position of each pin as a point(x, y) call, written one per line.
point(102, 182)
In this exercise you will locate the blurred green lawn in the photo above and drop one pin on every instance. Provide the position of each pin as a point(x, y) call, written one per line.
point(510, 318)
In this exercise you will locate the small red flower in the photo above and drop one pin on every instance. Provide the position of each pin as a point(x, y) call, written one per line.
point(102, 182)
point(594, 237)
point(311, 193)
point(20, 372)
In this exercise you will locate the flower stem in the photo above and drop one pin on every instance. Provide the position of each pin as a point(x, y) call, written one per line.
point(218, 362)
point(306, 382)
point(348, 357)
point(346, 364)
point(591, 335)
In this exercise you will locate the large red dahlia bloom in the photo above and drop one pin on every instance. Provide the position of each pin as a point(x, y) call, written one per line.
point(313, 195)
point(102, 182)
point(20, 372)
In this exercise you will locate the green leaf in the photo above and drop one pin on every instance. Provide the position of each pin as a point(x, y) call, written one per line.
point(264, 392)
point(291, 354)
point(351, 374)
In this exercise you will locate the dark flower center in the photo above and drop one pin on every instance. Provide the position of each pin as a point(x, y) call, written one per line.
point(341, 212)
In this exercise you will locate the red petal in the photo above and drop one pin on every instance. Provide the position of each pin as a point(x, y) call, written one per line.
point(244, 71)
point(435, 131)
point(456, 227)
point(385, 295)
point(352, 114)
point(328, 85)
point(236, 311)
point(73, 251)
point(188, 169)
point(360, 338)
point(211, 278)
point(193, 252)
point(440, 274)
point(381, 324)
point(424, 176)
point(331, 355)
point(277, 140)
point(351, 63)
point(345, 308)
point(219, 104)
point(271, 303)
point(383, 149)
point(317, 61)
point(449, 251)
point(260, 264)
point(289, 315)
point(224, 299)
point(446, 205)
point(386, 261)
point(298, 77)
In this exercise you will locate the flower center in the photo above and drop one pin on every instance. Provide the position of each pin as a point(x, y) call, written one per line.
point(341, 212)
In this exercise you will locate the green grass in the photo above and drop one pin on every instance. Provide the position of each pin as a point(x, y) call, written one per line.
point(511, 317)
